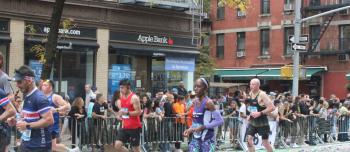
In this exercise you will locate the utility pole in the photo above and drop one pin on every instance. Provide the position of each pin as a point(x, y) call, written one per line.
point(297, 30)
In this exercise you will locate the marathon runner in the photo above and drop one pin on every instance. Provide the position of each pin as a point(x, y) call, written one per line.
point(130, 111)
point(205, 119)
point(6, 111)
point(259, 106)
point(36, 116)
point(58, 106)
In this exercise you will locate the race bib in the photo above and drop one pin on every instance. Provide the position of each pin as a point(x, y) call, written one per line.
point(125, 116)
point(252, 109)
point(26, 135)
point(197, 134)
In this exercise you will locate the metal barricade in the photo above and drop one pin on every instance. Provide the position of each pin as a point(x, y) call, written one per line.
point(165, 131)
point(230, 134)
point(162, 131)
point(343, 128)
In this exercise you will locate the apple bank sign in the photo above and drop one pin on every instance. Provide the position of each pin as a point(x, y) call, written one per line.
point(148, 39)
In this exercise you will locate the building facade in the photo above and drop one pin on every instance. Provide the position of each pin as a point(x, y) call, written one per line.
point(107, 42)
point(256, 43)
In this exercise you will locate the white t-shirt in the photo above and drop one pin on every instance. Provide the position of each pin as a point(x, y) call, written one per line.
point(243, 109)
point(275, 113)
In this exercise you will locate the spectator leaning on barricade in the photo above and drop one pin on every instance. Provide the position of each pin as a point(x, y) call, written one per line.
point(243, 119)
point(99, 113)
point(333, 113)
point(179, 108)
point(295, 128)
point(302, 111)
point(284, 119)
point(344, 122)
point(167, 123)
point(231, 118)
point(273, 117)
point(78, 115)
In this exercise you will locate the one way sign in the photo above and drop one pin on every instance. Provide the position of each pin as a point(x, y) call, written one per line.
point(302, 39)
point(299, 47)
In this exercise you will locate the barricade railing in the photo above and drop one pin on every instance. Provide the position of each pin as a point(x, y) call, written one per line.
point(169, 130)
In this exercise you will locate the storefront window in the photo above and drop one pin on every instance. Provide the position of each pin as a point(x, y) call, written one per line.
point(73, 68)
point(134, 68)
point(4, 50)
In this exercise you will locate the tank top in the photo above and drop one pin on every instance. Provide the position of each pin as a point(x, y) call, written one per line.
point(198, 118)
point(254, 106)
point(56, 115)
point(129, 122)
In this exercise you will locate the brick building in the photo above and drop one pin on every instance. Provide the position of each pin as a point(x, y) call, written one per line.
point(255, 44)
point(111, 40)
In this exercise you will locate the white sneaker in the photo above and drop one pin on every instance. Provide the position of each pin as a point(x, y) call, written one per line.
point(295, 145)
point(76, 149)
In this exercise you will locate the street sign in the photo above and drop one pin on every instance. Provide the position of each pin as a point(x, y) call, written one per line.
point(299, 47)
point(302, 39)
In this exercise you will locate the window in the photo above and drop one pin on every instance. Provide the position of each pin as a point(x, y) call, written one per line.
point(315, 32)
point(240, 13)
point(288, 31)
point(265, 6)
point(220, 46)
point(344, 37)
point(4, 26)
point(315, 3)
point(78, 61)
point(220, 12)
point(288, 5)
point(240, 42)
point(4, 50)
point(264, 41)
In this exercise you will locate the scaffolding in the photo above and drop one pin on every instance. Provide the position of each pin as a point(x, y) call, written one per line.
point(197, 13)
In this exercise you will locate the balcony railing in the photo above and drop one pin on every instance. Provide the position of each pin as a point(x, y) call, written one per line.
point(324, 5)
point(331, 46)
point(166, 4)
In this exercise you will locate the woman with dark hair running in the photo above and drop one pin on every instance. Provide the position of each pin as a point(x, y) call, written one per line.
point(205, 119)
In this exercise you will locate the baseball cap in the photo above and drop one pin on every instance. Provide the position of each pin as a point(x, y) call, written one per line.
point(174, 90)
point(23, 72)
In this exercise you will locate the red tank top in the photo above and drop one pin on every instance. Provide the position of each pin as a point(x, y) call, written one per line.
point(129, 122)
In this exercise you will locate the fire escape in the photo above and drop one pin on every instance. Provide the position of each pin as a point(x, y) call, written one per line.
point(312, 7)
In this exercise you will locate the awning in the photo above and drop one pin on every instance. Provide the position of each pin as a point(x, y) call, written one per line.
point(125, 48)
point(226, 85)
point(5, 38)
point(348, 76)
point(78, 43)
point(263, 73)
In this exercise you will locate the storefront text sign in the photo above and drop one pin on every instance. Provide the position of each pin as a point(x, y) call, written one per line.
point(179, 64)
point(42, 28)
point(37, 68)
point(155, 39)
point(64, 31)
point(151, 39)
point(116, 73)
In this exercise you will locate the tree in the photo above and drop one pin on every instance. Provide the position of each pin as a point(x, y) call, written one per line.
point(51, 44)
point(242, 5)
point(205, 64)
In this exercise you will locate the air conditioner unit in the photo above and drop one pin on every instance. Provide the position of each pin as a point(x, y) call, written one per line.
point(344, 12)
point(240, 54)
point(343, 57)
point(241, 13)
point(288, 7)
